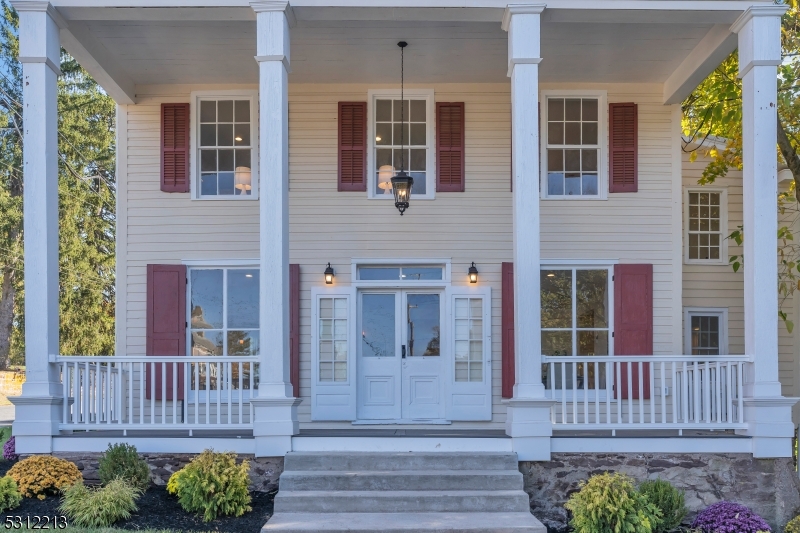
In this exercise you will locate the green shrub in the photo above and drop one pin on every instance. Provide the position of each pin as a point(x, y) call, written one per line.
point(609, 503)
point(668, 500)
point(9, 494)
point(102, 506)
point(123, 462)
point(793, 526)
point(214, 484)
point(40, 475)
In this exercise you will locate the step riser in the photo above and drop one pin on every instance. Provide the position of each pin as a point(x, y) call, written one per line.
point(292, 481)
point(409, 461)
point(295, 503)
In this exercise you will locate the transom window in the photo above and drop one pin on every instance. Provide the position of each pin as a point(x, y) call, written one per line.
point(224, 313)
point(399, 273)
point(573, 146)
point(401, 137)
point(225, 141)
point(706, 223)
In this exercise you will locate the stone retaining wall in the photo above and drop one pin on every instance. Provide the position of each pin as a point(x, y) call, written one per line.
point(264, 471)
point(771, 487)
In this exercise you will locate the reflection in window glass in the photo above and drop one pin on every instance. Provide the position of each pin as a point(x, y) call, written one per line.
point(388, 273)
point(572, 146)
point(423, 325)
point(705, 334)
point(378, 325)
point(378, 273)
point(225, 147)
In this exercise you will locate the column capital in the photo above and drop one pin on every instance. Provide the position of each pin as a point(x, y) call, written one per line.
point(757, 11)
point(520, 9)
point(759, 31)
point(40, 6)
point(266, 6)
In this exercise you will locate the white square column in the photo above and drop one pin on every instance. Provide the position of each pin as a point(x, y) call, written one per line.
point(528, 419)
point(767, 413)
point(38, 408)
point(274, 406)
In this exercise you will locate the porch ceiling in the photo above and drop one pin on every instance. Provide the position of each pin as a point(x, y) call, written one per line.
point(144, 46)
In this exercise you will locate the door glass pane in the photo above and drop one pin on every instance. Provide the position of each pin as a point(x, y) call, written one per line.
point(423, 324)
point(242, 298)
point(378, 325)
point(592, 298)
point(207, 299)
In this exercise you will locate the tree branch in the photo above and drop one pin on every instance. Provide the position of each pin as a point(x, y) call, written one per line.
point(790, 155)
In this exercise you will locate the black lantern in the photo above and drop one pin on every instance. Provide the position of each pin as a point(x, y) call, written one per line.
point(401, 186)
point(473, 273)
point(329, 275)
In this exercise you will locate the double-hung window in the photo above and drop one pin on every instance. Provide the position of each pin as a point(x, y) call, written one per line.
point(705, 222)
point(225, 145)
point(401, 137)
point(573, 157)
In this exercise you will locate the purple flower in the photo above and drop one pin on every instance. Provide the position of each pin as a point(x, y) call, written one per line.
point(10, 450)
point(729, 517)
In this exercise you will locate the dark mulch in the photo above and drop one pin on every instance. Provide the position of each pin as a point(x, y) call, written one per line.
point(159, 510)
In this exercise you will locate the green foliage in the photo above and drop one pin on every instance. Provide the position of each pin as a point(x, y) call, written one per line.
point(87, 191)
point(9, 494)
point(793, 526)
point(40, 475)
point(668, 500)
point(123, 462)
point(99, 507)
point(212, 484)
point(609, 503)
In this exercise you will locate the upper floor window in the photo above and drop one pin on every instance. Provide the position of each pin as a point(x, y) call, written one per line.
point(224, 140)
point(574, 138)
point(401, 136)
point(706, 222)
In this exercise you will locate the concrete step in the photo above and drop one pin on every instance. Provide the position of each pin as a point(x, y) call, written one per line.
point(409, 501)
point(298, 480)
point(521, 522)
point(355, 461)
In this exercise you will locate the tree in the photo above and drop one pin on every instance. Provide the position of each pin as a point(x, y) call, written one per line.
point(87, 189)
point(715, 109)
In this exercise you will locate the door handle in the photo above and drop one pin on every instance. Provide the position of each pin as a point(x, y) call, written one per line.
point(403, 351)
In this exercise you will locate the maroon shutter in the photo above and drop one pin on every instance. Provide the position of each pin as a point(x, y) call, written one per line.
point(507, 318)
point(633, 324)
point(166, 323)
point(450, 146)
point(294, 328)
point(175, 147)
point(352, 146)
point(623, 148)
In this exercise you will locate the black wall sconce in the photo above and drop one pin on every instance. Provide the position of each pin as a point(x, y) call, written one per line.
point(329, 275)
point(473, 273)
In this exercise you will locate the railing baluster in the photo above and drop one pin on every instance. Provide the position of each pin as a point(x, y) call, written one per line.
point(739, 391)
point(564, 392)
point(229, 399)
point(630, 391)
point(618, 391)
point(663, 381)
point(729, 393)
point(252, 367)
point(186, 386)
point(641, 391)
point(241, 369)
point(196, 373)
point(207, 367)
point(174, 367)
point(597, 393)
point(718, 389)
point(574, 393)
point(142, 373)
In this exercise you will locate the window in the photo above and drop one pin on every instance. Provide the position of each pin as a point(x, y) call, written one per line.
point(576, 320)
point(399, 273)
point(469, 339)
point(706, 331)
point(574, 142)
point(401, 136)
point(224, 313)
point(225, 144)
point(332, 339)
point(706, 220)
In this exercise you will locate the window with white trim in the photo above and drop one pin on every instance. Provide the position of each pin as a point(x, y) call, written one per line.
point(401, 136)
point(225, 145)
point(468, 339)
point(706, 331)
point(573, 154)
point(332, 339)
point(706, 222)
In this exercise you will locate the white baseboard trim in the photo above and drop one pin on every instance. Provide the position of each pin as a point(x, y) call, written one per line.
point(650, 445)
point(403, 444)
point(154, 445)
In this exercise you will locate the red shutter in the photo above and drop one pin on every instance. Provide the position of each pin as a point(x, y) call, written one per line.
point(175, 147)
point(450, 146)
point(633, 324)
point(352, 146)
point(507, 317)
point(294, 328)
point(623, 148)
point(166, 323)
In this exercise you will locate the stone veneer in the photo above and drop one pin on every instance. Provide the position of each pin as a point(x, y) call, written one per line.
point(264, 471)
point(770, 487)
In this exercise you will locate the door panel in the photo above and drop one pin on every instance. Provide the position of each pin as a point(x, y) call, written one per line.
point(378, 356)
point(421, 368)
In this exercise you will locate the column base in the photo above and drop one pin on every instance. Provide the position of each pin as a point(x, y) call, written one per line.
point(530, 426)
point(36, 421)
point(275, 422)
point(770, 424)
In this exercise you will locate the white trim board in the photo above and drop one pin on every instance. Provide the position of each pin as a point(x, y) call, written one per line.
point(721, 312)
point(404, 444)
point(245, 444)
point(724, 230)
point(651, 445)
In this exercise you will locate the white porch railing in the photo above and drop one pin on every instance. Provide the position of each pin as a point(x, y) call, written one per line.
point(645, 392)
point(128, 392)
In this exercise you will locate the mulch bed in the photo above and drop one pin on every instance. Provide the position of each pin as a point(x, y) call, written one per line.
point(160, 510)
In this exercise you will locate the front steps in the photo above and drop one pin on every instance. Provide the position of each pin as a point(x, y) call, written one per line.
point(336, 492)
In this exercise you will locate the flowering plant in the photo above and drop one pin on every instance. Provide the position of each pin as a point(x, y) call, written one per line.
point(729, 517)
point(10, 450)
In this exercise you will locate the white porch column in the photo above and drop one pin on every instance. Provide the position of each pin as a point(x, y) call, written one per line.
point(768, 414)
point(275, 407)
point(528, 419)
point(38, 408)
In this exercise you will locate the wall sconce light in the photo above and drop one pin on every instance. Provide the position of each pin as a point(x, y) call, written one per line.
point(473, 273)
point(329, 275)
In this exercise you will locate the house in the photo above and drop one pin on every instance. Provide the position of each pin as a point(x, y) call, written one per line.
point(536, 294)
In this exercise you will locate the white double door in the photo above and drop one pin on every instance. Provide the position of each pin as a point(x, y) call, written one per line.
point(400, 363)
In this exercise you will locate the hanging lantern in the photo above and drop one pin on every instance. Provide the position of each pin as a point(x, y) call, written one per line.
point(401, 186)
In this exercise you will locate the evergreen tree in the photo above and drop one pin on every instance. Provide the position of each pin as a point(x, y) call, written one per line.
point(87, 190)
